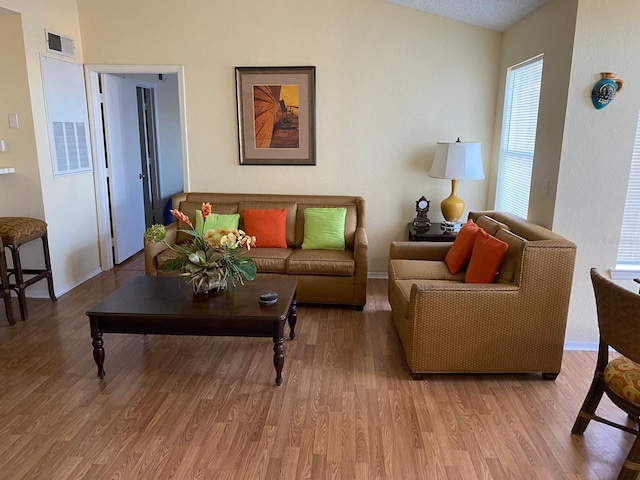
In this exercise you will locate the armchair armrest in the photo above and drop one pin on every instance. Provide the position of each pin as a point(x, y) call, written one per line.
point(419, 250)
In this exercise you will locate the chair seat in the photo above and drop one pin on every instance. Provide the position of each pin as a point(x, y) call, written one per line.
point(622, 376)
point(18, 227)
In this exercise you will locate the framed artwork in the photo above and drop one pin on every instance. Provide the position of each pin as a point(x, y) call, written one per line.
point(276, 115)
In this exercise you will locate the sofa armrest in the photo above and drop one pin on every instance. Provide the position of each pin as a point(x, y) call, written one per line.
point(360, 244)
point(152, 250)
point(361, 258)
point(419, 250)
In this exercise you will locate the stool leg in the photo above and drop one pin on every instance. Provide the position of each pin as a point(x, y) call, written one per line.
point(20, 286)
point(4, 284)
point(47, 264)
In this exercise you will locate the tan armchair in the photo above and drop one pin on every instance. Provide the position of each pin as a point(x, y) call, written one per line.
point(516, 324)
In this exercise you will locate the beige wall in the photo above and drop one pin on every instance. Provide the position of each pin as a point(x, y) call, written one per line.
point(67, 203)
point(391, 82)
point(548, 31)
point(20, 192)
point(597, 148)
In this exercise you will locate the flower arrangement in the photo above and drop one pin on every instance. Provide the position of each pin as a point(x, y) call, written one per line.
point(212, 258)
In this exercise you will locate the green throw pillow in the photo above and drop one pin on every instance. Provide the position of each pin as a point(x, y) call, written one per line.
point(324, 228)
point(216, 220)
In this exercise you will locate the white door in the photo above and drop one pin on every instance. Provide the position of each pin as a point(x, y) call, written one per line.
point(122, 141)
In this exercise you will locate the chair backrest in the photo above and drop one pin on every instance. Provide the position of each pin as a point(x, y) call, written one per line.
point(618, 315)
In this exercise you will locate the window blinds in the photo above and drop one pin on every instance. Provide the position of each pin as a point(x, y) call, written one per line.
point(517, 145)
point(629, 246)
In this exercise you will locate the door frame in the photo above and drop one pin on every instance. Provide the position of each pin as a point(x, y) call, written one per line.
point(103, 216)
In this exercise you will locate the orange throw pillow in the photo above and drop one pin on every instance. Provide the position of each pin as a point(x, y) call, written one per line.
point(268, 226)
point(486, 258)
point(460, 252)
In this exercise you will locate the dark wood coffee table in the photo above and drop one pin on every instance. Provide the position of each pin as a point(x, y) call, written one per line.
point(165, 305)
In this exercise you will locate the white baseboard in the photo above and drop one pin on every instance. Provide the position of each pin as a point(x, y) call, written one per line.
point(59, 291)
point(378, 275)
point(585, 346)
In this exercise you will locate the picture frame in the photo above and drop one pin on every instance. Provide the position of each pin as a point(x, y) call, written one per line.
point(276, 109)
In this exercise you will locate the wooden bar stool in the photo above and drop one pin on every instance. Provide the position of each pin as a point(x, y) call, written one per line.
point(15, 232)
point(4, 285)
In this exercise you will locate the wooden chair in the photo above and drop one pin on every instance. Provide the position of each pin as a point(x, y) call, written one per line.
point(619, 325)
point(4, 285)
point(15, 232)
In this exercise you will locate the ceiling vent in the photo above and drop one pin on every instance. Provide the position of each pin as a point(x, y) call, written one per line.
point(60, 44)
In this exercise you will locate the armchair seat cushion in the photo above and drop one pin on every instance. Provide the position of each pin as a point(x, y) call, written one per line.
point(422, 270)
point(401, 294)
point(321, 262)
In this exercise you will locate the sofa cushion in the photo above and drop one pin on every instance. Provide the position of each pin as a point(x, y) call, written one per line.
point(268, 226)
point(189, 209)
point(486, 258)
point(324, 228)
point(216, 220)
point(350, 222)
point(270, 260)
point(460, 252)
point(291, 208)
point(402, 269)
point(321, 262)
point(164, 256)
point(512, 258)
point(490, 225)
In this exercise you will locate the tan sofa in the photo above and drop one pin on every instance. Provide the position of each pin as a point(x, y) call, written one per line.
point(516, 324)
point(324, 276)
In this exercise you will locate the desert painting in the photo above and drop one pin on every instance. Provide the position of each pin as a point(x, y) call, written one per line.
point(276, 116)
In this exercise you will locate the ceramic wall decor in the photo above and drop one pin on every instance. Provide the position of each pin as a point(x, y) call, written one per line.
point(606, 89)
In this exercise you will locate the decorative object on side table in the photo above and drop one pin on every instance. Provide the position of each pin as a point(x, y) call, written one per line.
point(421, 223)
point(606, 89)
point(456, 160)
point(435, 233)
point(213, 258)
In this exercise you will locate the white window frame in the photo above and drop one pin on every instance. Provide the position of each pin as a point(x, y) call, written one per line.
point(628, 258)
point(517, 142)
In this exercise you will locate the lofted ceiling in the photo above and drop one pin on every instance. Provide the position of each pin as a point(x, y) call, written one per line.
point(496, 15)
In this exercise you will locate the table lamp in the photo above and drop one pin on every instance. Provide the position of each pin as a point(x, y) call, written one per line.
point(456, 160)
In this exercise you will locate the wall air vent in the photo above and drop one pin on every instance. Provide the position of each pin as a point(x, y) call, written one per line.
point(60, 44)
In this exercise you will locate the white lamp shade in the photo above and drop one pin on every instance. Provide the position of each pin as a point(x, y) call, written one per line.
point(457, 160)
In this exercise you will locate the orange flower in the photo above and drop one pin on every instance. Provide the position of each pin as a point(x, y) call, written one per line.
point(206, 210)
point(181, 216)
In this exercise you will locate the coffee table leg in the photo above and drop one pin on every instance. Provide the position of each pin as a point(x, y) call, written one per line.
point(293, 317)
point(98, 350)
point(278, 355)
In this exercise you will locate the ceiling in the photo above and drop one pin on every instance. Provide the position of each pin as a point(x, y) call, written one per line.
point(496, 15)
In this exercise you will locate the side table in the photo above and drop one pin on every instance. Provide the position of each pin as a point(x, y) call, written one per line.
point(434, 234)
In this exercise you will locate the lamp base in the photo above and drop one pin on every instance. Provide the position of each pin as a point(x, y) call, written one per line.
point(453, 206)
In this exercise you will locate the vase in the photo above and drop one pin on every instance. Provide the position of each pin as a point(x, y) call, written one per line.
point(211, 286)
point(606, 89)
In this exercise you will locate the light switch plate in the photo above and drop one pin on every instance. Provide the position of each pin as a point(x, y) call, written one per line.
point(2, 146)
point(13, 120)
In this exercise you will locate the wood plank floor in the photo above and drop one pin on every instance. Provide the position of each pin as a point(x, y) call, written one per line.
point(207, 407)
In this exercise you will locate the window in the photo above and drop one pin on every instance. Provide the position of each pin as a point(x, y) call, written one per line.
point(517, 144)
point(629, 246)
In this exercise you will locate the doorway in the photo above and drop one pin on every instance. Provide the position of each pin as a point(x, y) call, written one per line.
point(124, 187)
